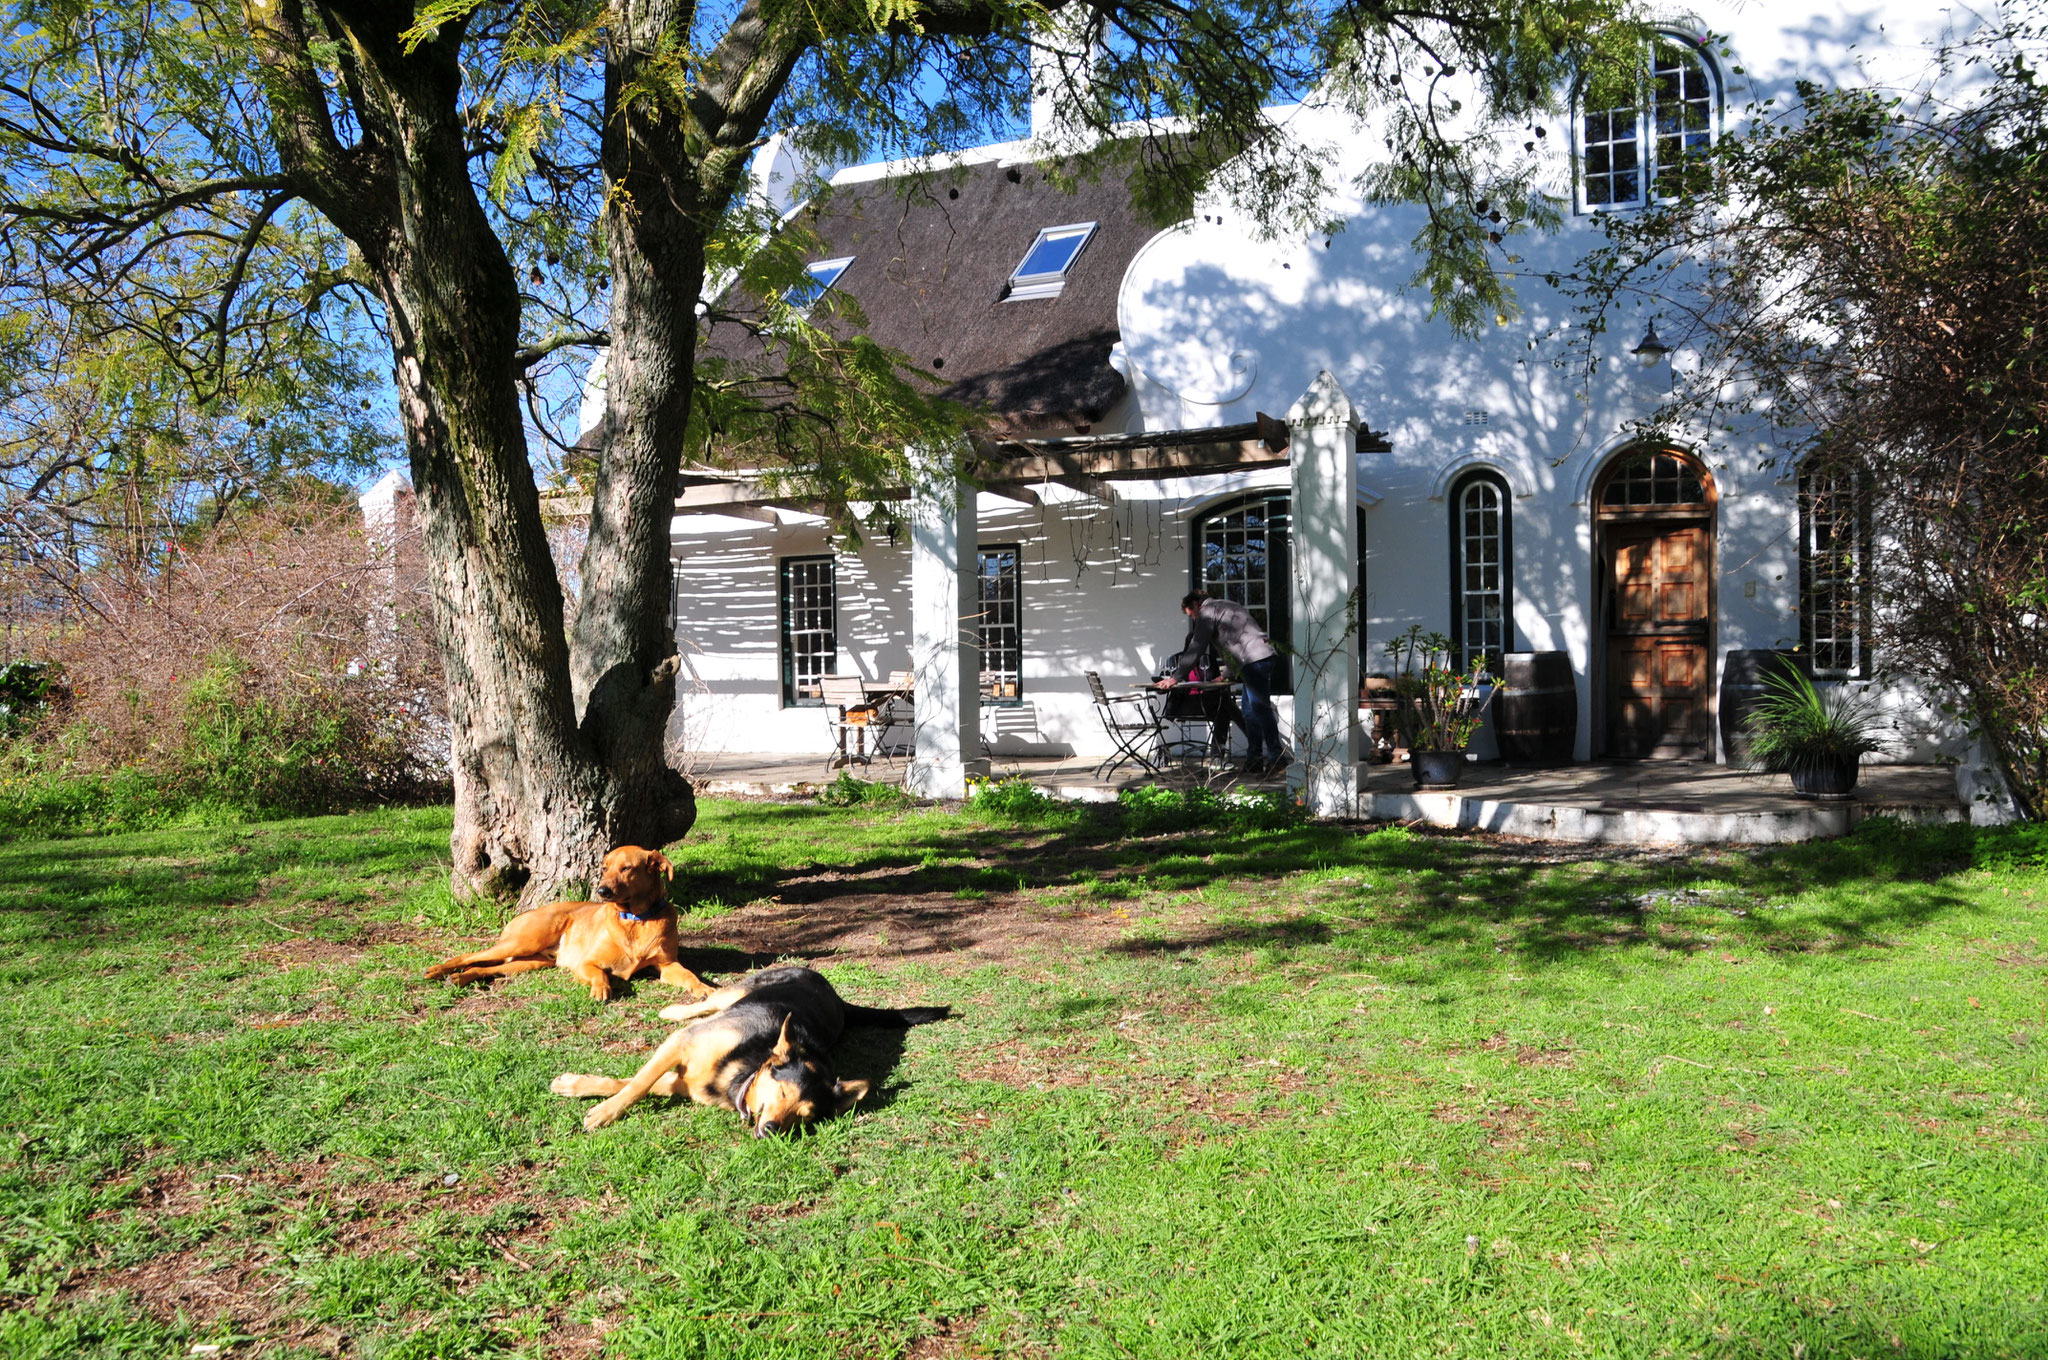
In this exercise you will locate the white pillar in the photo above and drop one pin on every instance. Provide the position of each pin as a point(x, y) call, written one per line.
point(387, 518)
point(1322, 447)
point(945, 628)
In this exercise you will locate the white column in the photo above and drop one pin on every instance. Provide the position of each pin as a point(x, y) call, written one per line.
point(387, 518)
point(1323, 450)
point(945, 629)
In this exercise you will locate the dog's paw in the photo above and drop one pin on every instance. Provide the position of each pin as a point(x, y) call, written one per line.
point(574, 1084)
point(599, 1117)
point(682, 1011)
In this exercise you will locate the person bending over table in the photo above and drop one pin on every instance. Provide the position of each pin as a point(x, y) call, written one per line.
point(1230, 625)
point(1187, 670)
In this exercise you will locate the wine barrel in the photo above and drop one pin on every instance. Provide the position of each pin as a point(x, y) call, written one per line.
point(1537, 709)
point(1742, 688)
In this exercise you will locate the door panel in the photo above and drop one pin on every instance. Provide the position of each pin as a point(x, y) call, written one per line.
point(1657, 640)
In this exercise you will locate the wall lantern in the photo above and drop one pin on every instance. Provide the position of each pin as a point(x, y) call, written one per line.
point(1651, 350)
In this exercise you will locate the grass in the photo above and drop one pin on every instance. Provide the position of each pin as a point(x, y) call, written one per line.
point(1222, 1085)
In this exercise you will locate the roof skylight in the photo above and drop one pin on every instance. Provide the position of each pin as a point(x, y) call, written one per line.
point(823, 274)
point(1043, 272)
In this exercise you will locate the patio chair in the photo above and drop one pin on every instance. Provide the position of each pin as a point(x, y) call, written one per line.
point(847, 710)
point(1133, 726)
point(895, 730)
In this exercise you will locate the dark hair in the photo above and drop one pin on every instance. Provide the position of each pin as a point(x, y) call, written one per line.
point(1192, 600)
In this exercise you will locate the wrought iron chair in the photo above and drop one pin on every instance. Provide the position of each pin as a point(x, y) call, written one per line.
point(1133, 726)
point(895, 728)
point(847, 710)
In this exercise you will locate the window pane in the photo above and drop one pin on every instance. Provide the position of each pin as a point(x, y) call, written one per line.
point(810, 631)
point(1482, 554)
point(1002, 636)
point(1052, 254)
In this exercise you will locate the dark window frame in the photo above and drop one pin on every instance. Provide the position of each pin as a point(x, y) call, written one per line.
point(1859, 583)
point(1015, 575)
point(1277, 537)
point(1465, 482)
point(792, 695)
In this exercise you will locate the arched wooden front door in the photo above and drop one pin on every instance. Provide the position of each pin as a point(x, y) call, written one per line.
point(1653, 520)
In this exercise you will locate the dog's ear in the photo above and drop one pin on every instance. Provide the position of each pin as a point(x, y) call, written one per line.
point(668, 871)
point(781, 1050)
point(847, 1094)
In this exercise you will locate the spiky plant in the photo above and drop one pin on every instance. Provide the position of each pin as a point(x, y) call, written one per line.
point(1796, 726)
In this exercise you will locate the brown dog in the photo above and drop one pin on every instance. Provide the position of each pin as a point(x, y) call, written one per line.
point(631, 927)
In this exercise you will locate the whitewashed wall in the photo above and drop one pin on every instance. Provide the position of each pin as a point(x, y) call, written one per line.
point(1100, 589)
point(1218, 325)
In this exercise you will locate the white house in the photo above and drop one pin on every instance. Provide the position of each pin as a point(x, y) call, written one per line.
point(1467, 486)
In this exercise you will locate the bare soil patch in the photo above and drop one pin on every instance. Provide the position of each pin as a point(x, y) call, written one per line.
point(235, 1280)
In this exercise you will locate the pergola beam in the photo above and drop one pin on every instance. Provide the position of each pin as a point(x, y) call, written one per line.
point(1009, 468)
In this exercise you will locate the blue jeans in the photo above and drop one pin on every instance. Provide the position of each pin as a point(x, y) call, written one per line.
point(1261, 723)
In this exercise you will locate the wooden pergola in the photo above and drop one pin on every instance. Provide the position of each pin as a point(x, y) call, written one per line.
point(1014, 468)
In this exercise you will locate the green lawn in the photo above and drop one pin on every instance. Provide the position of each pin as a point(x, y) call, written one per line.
point(1214, 1091)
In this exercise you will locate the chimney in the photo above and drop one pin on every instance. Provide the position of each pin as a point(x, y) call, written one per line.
point(1063, 53)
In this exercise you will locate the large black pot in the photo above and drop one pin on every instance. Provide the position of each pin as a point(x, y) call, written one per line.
point(1834, 782)
point(1437, 769)
point(1742, 689)
point(1536, 710)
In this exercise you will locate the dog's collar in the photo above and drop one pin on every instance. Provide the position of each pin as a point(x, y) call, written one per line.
point(625, 915)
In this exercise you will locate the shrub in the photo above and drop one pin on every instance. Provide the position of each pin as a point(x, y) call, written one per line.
point(1017, 800)
point(281, 664)
point(846, 791)
point(1151, 809)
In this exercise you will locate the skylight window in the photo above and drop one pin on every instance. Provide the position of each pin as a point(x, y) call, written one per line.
point(1044, 270)
point(823, 274)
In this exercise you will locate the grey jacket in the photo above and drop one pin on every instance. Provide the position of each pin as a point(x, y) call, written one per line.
point(1231, 626)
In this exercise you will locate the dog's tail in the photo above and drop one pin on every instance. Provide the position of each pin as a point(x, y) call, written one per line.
point(883, 1017)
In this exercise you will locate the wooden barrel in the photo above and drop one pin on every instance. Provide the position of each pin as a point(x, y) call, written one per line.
point(1742, 686)
point(1536, 710)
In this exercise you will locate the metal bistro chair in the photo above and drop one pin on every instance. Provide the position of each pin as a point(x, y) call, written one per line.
point(1133, 726)
point(896, 717)
point(847, 710)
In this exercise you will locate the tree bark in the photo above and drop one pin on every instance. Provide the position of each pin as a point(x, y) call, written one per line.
point(539, 795)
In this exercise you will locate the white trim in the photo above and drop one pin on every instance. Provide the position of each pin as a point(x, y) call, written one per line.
point(835, 267)
point(1517, 477)
point(1049, 283)
point(1697, 41)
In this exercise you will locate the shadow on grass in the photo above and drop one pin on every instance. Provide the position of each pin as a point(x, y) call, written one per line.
point(1470, 898)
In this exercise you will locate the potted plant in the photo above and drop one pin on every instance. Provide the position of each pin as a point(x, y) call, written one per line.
point(1819, 738)
point(1440, 706)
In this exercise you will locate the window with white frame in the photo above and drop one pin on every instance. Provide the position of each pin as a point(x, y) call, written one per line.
point(1482, 557)
point(1834, 571)
point(820, 276)
point(1042, 273)
point(1002, 631)
point(810, 628)
point(1629, 150)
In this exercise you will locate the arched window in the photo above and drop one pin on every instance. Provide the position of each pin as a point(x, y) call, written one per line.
point(1241, 553)
point(1630, 149)
point(1482, 570)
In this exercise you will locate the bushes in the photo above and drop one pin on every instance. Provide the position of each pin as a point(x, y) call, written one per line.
point(281, 665)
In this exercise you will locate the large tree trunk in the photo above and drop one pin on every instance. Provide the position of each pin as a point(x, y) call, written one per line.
point(539, 795)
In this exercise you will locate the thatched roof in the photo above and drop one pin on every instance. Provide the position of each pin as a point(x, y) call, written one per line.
point(931, 258)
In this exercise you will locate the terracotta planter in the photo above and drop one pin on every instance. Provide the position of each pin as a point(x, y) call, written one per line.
point(1834, 782)
point(1437, 769)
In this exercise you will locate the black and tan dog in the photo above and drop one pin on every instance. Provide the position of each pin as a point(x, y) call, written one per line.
point(761, 1046)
